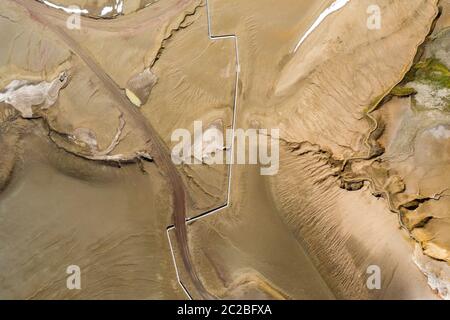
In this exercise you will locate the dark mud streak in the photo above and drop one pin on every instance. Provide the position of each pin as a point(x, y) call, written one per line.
point(156, 146)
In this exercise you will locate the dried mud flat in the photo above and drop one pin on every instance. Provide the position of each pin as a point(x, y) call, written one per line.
point(85, 131)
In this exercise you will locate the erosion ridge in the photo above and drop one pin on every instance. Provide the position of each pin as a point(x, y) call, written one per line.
point(87, 122)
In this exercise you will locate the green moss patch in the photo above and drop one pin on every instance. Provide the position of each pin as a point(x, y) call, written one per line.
point(400, 91)
point(430, 71)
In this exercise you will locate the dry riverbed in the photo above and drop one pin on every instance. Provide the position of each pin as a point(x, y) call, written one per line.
point(86, 118)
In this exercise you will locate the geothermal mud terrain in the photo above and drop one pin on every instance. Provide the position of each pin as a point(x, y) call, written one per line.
point(92, 92)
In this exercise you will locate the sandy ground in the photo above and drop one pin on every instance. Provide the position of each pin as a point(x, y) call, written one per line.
point(59, 210)
point(309, 232)
point(318, 104)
